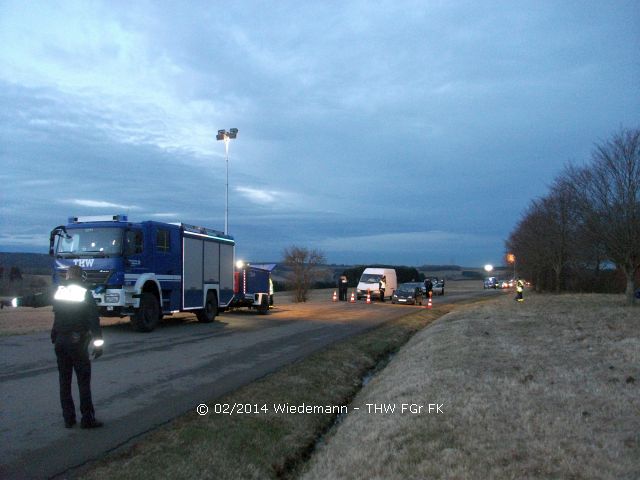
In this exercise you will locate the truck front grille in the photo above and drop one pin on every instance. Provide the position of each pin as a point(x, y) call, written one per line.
point(97, 277)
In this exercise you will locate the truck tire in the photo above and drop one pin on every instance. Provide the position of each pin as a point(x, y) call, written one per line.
point(210, 311)
point(146, 317)
point(263, 309)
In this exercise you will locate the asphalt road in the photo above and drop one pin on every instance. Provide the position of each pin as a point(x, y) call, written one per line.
point(145, 380)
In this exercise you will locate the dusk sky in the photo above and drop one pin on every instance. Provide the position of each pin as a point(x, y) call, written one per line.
point(406, 132)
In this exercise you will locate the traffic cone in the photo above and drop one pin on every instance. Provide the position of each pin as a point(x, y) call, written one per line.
point(353, 297)
point(429, 303)
point(335, 296)
point(368, 296)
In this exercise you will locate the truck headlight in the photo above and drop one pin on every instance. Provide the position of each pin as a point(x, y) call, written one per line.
point(112, 298)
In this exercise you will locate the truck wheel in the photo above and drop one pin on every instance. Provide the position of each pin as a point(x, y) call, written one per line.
point(210, 311)
point(146, 317)
point(263, 309)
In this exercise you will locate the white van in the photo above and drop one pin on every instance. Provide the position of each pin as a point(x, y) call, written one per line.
point(370, 282)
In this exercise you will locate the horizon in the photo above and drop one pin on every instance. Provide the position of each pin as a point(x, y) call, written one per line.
point(431, 267)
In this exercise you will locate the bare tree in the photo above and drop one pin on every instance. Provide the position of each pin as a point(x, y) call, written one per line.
point(543, 241)
point(609, 193)
point(528, 243)
point(303, 264)
point(560, 210)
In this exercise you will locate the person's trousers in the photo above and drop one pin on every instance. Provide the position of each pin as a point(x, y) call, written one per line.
point(72, 354)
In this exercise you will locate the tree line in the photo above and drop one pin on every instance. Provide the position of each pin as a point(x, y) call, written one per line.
point(584, 234)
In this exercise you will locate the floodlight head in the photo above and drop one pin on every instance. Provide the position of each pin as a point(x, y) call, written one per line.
point(220, 135)
point(233, 132)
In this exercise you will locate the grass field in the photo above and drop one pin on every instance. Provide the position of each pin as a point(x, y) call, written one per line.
point(549, 388)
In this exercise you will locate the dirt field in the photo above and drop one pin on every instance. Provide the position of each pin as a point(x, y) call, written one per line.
point(17, 321)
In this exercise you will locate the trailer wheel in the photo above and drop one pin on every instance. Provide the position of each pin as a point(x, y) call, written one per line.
point(263, 309)
point(210, 311)
point(146, 317)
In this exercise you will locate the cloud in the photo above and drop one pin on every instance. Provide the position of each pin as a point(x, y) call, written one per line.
point(164, 215)
point(22, 240)
point(406, 241)
point(99, 204)
point(261, 196)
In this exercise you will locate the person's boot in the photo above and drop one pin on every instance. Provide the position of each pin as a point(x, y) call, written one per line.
point(91, 423)
point(69, 423)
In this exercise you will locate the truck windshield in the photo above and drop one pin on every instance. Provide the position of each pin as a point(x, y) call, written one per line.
point(370, 278)
point(91, 242)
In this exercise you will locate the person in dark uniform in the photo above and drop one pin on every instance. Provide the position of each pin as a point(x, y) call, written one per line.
point(382, 287)
point(76, 323)
point(343, 287)
point(428, 286)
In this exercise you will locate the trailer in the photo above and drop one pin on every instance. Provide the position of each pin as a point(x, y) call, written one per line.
point(148, 269)
point(253, 288)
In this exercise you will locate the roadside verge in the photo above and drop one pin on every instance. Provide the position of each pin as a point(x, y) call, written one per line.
point(545, 389)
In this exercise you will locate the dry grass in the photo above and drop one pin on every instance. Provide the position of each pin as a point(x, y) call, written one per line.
point(545, 389)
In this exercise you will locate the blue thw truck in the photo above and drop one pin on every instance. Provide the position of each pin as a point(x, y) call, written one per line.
point(148, 269)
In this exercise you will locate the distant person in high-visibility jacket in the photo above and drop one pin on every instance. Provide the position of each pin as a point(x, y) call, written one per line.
point(519, 290)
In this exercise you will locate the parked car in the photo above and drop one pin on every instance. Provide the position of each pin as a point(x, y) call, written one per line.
point(491, 282)
point(409, 293)
point(438, 287)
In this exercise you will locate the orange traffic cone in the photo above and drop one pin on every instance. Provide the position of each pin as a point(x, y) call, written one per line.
point(429, 303)
point(368, 296)
point(335, 296)
point(353, 297)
